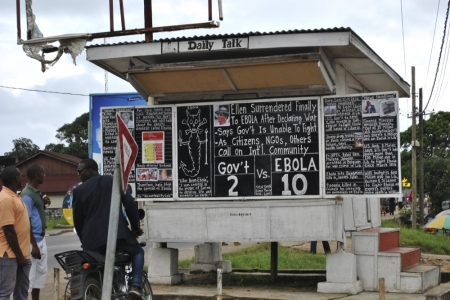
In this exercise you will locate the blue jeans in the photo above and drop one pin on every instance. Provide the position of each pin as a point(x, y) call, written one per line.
point(137, 262)
point(13, 278)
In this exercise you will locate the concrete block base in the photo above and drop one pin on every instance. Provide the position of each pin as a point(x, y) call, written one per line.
point(341, 267)
point(340, 288)
point(162, 262)
point(166, 280)
point(225, 265)
point(208, 252)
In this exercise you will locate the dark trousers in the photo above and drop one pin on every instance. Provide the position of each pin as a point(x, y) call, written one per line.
point(391, 208)
point(137, 259)
point(325, 244)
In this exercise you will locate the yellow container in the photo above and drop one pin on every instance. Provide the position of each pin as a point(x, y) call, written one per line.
point(68, 215)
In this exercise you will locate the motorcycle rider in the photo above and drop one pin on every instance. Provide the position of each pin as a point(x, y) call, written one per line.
point(91, 205)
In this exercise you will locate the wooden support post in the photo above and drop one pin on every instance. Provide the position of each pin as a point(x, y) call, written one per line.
point(274, 261)
point(219, 284)
point(381, 289)
point(111, 15)
point(56, 284)
point(413, 151)
point(122, 14)
point(148, 19)
point(209, 10)
point(421, 187)
point(19, 34)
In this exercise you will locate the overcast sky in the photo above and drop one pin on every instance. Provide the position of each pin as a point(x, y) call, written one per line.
point(37, 115)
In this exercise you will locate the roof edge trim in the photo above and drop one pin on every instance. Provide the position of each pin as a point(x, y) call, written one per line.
point(364, 48)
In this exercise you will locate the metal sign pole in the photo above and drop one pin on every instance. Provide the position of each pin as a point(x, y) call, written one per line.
point(112, 229)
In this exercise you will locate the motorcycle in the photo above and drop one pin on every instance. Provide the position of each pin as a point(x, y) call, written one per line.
point(85, 270)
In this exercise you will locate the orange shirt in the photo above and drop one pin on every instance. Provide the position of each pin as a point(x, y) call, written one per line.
point(14, 212)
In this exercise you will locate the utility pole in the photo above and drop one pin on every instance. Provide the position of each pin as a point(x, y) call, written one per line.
point(421, 191)
point(413, 143)
point(106, 73)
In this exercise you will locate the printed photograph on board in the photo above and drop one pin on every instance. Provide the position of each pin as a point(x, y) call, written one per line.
point(370, 108)
point(358, 140)
point(127, 117)
point(152, 147)
point(153, 174)
point(221, 115)
point(165, 174)
point(330, 110)
point(142, 174)
point(147, 174)
point(388, 108)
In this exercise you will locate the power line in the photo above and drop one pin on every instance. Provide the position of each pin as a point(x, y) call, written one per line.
point(63, 93)
point(41, 91)
point(432, 43)
point(403, 34)
point(440, 53)
point(441, 79)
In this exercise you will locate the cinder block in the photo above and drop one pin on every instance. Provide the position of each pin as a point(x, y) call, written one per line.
point(341, 267)
point(225, 265)
point(208, 253)
point(340, 288)
point(440, 292)
point(162, 261)
point(166, 280)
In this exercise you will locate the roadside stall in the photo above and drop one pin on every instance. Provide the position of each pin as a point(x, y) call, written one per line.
point(265, 137)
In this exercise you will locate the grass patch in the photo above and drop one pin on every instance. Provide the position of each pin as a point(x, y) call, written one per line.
point(51, 223)
point(430, 243)
point(258, 257)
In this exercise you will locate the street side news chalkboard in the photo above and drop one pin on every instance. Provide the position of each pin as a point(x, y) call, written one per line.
point(151, 127)
point(361, 144)
point(261, 149)
point(249, 149)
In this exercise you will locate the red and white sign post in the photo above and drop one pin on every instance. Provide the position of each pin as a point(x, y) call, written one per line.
point(128, 150)
point(126, 153)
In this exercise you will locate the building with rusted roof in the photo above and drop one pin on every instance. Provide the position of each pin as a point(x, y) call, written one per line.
point(61, 173)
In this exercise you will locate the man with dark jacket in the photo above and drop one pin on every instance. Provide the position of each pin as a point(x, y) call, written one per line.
point(91, 205)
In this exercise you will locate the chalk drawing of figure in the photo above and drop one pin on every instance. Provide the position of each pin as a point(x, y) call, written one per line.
point(193, 142)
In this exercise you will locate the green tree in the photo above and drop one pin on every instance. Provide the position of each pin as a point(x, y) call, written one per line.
point(73, 138)
point(436, 180)
point(23, 147)
point(436, 135)
point(436, 145)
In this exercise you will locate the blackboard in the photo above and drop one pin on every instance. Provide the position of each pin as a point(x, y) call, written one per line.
point(361, 144)
point(249, 149)
point(262, 149)
point(151, 127)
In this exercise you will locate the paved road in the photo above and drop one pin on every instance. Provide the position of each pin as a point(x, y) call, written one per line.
point(70, 241)
point(58, 244)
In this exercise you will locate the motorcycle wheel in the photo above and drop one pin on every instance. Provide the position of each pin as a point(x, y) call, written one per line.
point(67, 291)
point(147, 292)
point(91, 290)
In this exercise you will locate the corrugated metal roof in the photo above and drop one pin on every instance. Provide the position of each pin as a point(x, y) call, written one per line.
point(218, 36)
point(57, 183)
point(65, 157)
